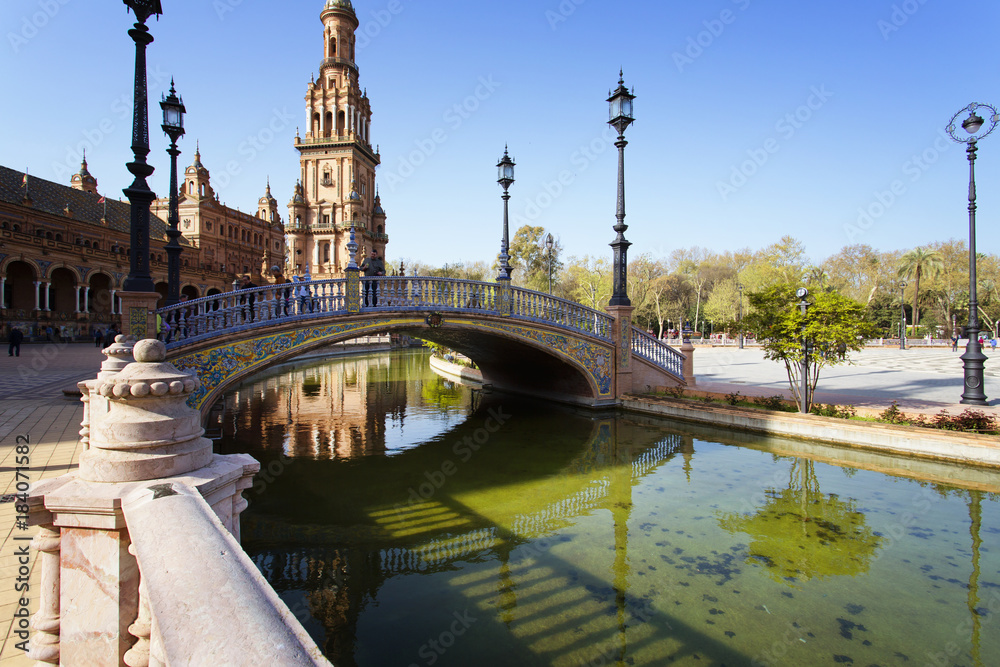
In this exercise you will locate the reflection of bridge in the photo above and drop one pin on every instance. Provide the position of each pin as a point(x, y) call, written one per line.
point(524, 341)
point(339, 576)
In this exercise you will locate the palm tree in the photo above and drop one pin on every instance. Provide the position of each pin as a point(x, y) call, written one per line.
point(916, 264)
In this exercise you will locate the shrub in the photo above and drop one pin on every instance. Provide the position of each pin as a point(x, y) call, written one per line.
point(675, 392)
point(892, 414)
point(845, 412)
point(775, 402)
point(970, 420)
point(733, 398)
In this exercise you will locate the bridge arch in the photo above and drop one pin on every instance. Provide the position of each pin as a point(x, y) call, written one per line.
point(525, 342)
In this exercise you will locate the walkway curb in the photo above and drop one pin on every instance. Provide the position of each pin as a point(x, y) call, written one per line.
point(965, 448)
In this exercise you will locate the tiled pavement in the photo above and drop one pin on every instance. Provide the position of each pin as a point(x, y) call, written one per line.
point(32, 404)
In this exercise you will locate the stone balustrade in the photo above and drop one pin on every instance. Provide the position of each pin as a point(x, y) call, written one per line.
point(136, 545)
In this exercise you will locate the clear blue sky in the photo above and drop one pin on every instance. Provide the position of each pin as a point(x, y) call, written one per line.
point(869, 85)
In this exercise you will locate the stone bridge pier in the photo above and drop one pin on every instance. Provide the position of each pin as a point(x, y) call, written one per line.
point(133, 545)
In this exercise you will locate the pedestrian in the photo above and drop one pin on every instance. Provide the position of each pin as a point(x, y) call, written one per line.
point(98, 336)
point(48, 333)
point(954, 342)
point(165, 329)
point(109, 335)
point(993, 343)
point(15, 342)
point(302, 293)
point(249, 299)
point(372, 267)
point(282, 295)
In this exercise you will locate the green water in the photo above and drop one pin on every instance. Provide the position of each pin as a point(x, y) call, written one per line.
point(410, 521)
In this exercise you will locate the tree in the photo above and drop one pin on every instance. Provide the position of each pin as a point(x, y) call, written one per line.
point(530, 259)
point(917, 264)
point(834, 326)
point(588, 281)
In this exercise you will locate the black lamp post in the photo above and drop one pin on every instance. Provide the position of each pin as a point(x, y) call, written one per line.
point(549, 242)
point(173, 126)
point(902, 316)
point(139, 195)
point(802, 293)
point(973, 359)
point(621, 117)
point(739, 316)
point(505, 170)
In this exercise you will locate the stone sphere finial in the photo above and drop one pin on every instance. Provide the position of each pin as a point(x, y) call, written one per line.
point(150, 351)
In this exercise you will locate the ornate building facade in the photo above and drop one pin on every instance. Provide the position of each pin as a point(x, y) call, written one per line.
point(336, 189)
point(64, 250)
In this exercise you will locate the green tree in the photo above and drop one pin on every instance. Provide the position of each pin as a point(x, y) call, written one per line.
point(588, 281)
point(917, 264)
point(834, 326)
point(530, 259)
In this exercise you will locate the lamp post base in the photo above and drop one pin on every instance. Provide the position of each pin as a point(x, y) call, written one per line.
point(973, 361)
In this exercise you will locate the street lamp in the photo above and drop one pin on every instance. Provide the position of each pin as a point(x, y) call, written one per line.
point(902, 316)
point(973, 359)
point(139, 195)
point(505, 170)
point(739, 317)
point(173, 126)
point(620, 118)
point(802, 293)
point(549, 242)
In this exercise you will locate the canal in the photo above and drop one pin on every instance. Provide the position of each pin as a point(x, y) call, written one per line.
point(408, 520)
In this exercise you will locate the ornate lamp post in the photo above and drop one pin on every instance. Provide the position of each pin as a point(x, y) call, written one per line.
point(506, 177)
point(620, 102)
point(173, 126)
point(739, 316)
point(549, 242)
point(139, 195)
point(803, 293)
point(973, 359)
point(902, 316)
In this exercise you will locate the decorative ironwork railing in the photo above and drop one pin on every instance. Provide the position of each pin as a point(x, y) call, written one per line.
point(258, 307)
point(653, 350)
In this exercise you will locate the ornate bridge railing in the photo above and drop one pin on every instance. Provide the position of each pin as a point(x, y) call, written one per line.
point(258, 307)
point(653, 350)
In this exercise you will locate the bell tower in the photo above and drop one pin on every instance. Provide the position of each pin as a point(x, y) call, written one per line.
point(337, 162)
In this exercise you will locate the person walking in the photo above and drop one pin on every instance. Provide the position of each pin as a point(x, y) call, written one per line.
point(98, 337)
point(372, 267)
point(954, 343)
point(15, 342)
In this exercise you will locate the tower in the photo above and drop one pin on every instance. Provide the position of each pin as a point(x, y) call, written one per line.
point(336, 188)
point(83, 180)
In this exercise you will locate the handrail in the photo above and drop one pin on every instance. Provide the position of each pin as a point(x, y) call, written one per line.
point(260, 629)
point(657, 352)
point(206, 317)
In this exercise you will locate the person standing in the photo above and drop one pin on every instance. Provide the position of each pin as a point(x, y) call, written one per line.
point(15, 342)
point(282, 295)
point(249, 299)
point(372, 267)
point(98, 337)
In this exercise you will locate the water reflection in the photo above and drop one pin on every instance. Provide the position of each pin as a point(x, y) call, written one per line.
point(412, 521)
point(800, 533)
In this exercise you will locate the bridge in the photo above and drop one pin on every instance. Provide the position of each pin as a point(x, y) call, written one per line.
point(523, 341)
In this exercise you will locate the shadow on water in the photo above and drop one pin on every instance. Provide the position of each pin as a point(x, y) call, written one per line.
point(339, 535)
point(493, 537)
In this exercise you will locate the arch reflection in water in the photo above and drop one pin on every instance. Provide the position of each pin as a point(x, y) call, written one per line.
point(558, 538)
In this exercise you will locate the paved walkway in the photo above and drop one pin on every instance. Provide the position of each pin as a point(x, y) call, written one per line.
point(32, 404)
point(919, 380)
